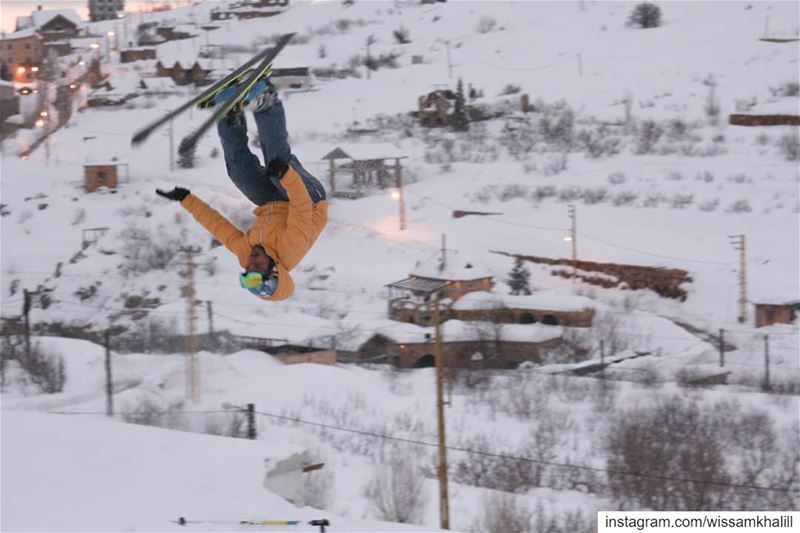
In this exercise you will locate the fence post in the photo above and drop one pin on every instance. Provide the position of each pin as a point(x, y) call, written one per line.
point(251, 421)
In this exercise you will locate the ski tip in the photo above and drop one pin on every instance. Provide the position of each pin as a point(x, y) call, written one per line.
point(138, 139)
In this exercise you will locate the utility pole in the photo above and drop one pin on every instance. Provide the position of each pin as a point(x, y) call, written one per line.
point(766, 362)
point(443, 263)
point(26, 310)
point(573, 237)
point(449, 64)
point(739, 243)
point(192, 375)
point(251, 421)
point(398, 175)
point(602, 358)
point(171, 146)
point(444, 505)
point(210, 313)
point(722, 348)
point(109, 382)
point(370, 41)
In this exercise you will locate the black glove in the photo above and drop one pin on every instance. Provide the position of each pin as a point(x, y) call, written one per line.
point(277, 167)
point(178, 193)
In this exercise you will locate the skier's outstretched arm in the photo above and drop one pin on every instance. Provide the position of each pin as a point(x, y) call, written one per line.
point(216, 224)
point(298, 237)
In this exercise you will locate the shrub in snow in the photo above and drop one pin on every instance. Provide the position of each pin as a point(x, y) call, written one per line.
point(598, 142)
point(510, 89)
point(556, 164)
point(396, 489)
point(789, 145)
point(681, 201)
point(543, 191)
point(741, 205)
point(645, 15)
point(557, 124)
point(787, 89)
point(401, 35)
point(711, 107)
point(595, 195)
point(709, 205)
point(513, 191)
point(42, 368)
point(624, 198)
point(643, 439)
point(569, 194)
point(504, 512)
point(617, 178)
point(647, 136)
point(485, 24)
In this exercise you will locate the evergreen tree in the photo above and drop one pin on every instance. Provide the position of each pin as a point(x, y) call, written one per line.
point(460, 118)
point(187, 156)
point(645, 15)
point(518, 280)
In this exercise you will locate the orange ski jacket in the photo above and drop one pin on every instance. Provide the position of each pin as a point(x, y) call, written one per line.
point(286, 230)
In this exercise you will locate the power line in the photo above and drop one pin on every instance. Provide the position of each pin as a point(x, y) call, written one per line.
point(518, 458)
point(415, 442)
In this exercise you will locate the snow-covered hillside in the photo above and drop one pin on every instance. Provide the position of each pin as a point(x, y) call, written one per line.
point(628, 125)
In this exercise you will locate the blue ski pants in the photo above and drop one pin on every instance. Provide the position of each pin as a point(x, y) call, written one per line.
point(244, 168)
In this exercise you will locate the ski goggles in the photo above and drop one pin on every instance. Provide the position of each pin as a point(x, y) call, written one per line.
point(259, 283)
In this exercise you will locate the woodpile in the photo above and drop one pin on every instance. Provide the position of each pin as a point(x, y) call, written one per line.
point(663, 281)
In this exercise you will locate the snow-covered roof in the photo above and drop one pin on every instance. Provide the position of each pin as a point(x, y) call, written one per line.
point(19, 34)
point(364, 152)
point(459, 330)
point(455, 269)
point(159, 83)
point(40, 17)
point(548, 300)
point(122, 84)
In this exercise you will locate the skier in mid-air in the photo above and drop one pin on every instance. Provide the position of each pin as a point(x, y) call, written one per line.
point(292, 207)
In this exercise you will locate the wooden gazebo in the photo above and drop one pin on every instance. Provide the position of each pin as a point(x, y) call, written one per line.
point(368, 165)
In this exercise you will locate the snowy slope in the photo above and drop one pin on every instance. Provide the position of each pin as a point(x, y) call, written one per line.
point(675, 207)
point(77, 474)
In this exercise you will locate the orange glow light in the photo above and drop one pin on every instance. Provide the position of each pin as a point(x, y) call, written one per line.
point(20, 70)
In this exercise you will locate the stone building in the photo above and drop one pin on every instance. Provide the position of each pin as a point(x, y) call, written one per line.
point(21, 52)
point(472, 344)
point(541, 307)
point(411, 299)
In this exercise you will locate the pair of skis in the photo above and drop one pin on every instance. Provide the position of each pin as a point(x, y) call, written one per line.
point(251, 72)
point(321, 524)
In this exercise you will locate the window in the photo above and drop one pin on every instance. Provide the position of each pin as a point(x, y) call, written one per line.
point(101, 178)
point(770, 314)
point(27, 46)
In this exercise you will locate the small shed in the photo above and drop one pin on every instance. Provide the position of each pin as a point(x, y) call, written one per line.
point(367, 165)
point(98, 175)
point(776, 313)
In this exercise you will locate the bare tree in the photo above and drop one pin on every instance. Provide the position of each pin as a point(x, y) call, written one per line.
point(396, 490)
